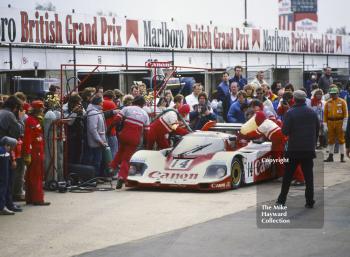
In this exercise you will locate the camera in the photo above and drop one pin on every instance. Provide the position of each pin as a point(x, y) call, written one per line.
point(202, 108)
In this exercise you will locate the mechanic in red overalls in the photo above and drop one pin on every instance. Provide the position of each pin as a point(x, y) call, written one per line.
point(33, 149)
point(271, 129)
point(167, 123)
point(273, 132)
point(135, 126)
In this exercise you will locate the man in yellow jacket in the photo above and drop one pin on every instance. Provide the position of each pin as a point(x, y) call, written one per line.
point(335, 121)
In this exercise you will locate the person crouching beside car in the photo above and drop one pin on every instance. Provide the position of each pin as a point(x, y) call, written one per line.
point(161, 127)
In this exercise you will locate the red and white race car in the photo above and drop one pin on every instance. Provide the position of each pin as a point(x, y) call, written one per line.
point(203, 160)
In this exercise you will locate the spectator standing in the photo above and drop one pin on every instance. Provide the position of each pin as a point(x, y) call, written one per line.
point(11, 128)
point(241, 81)
point(347, 137)
point(315, 87)
point(19, 171)
point(309, 83)
point(111, 133)
point(341, 89)
point(75, 112)
point(335, 122)
point(301, 125)
point(326, 80)
point(96, 133)
point(268, 107)
point(285, 103)
point(230, 99)
point(87, 95)
point(317, 104)
point(162, 105)
point(223, 87)
point(53, 90)
point(127, 101)
point(259, 80)
point(33, 147)
point(278, 99)
point(118, 97)
point(134, 91)
point(6, 204)
point(268, 92)
point(276, 86)
point(250, 92)
point(53, 140)
point(178, 101)
point(169, 98)
point(192, 99)
point(235, 113)
point(202, 112)
point(10, 116)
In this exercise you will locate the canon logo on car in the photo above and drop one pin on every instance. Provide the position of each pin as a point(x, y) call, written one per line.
point(222, 185)
point(261, 166)
point(169, 175)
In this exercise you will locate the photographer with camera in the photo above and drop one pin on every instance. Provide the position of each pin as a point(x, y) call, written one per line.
point(74, 111)
point(285, 103)
point(202, 112)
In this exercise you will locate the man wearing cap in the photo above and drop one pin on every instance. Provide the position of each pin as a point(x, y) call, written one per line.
point(33, 148)
point(301, 125)
point(335, 122)
point(161, 127)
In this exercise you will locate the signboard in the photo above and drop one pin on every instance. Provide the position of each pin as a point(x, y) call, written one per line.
point(62, 29)
point(306, 25)
point(304, 6)
point(284, 7)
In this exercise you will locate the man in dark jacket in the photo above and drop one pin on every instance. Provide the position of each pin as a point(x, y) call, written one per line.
point(229, 99)
point(241, 81)
point(326, 80)
point(10, 128)
point(301, 125)
point(223, 87)
point(347, 139)
point(9, 121)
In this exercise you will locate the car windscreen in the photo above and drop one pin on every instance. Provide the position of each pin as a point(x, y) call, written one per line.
point(192, 145)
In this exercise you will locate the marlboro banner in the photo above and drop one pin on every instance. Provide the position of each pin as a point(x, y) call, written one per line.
point(54, 28)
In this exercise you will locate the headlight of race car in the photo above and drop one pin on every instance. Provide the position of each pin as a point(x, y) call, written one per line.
point(216, 171)
point(137, 168)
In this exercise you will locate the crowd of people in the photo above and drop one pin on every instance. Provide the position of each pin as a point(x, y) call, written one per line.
point(94, 121)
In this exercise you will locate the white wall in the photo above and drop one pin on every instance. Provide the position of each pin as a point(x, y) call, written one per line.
point(51, 59)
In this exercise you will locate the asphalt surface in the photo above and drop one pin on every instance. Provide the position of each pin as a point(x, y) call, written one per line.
point(238, 235)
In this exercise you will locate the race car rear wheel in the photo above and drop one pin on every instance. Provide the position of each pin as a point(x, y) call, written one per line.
point(236, 173)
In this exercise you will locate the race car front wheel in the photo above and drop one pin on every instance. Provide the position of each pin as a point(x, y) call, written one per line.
point(236, 173)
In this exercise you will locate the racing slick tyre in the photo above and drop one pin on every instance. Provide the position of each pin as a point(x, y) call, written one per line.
point(237, 173)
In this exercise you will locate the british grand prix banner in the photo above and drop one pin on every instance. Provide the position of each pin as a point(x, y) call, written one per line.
point(55, 28)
